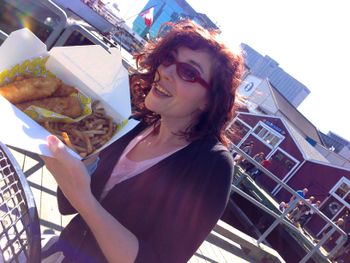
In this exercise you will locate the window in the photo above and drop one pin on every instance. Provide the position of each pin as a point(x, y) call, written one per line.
point(237, 131)
point(343, 191)
point(267, 135)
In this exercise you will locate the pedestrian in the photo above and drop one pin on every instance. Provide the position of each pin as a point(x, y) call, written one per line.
point(258, 158)
point(283, 206)
point(302, 193)
point(159, 190)
point(308, 214)
point(264, 163)
point(339, 222)
point(248, 148)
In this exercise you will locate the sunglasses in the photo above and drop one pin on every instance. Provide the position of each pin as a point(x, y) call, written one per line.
point(184, 70)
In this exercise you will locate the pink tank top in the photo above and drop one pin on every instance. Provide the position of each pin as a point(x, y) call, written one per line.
point(126, 168)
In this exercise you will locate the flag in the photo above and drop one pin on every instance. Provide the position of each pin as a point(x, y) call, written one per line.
point(147, 15)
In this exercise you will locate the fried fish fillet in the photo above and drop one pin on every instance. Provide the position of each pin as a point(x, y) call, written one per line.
point(30, 89)
point(64, 90)
point(68, 106)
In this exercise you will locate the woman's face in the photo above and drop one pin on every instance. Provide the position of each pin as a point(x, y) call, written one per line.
point(172, 97)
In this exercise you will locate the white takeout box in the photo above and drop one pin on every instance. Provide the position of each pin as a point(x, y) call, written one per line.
point(91, 69)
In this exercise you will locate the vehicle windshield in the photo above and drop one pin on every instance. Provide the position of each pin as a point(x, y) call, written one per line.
point(30, 14)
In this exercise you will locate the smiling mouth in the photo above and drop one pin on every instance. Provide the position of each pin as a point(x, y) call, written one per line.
point(161, 90)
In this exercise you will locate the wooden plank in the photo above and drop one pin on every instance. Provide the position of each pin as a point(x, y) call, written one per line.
point(200, 256)
point(209, 251)
point(231, 251)
point(195, 258)
point(18, 156)
point(66, 219)
point(34, 180)
point(215, 252)
point(49, 215)
point(35, 183)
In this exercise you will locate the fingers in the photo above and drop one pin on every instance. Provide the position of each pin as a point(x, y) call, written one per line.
point(58, 149)
point(54, 143)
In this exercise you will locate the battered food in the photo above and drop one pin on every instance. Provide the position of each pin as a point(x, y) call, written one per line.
point(30, 89)
point(68, 106)
point(64, 90)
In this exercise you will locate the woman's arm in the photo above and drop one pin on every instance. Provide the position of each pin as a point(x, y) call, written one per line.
point(64, 205)
point(117, 243)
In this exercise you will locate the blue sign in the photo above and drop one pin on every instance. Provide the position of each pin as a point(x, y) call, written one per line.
point(273, 126)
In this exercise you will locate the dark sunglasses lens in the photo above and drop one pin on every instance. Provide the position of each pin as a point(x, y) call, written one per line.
point(187, 72)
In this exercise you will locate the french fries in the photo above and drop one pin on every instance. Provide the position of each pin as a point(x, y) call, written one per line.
point(86, 135)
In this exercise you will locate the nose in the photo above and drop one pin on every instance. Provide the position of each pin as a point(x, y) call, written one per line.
point(167, 73)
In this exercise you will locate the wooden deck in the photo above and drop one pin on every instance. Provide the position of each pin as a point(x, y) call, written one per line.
point(216, 248)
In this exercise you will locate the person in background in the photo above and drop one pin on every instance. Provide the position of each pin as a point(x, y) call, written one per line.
point(305, 218)
point(283, 206)
point(299, 211)
point(339, 222)
point(303, 192)
point(258, 158)
point(248, 147)
point(346, 218)
point(264, 163)
point(159, 190)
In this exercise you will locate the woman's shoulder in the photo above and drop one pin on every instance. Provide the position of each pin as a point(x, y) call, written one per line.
point(212, 155)
point(211, 146)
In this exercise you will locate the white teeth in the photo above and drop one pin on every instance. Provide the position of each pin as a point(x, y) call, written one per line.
point(162, 90)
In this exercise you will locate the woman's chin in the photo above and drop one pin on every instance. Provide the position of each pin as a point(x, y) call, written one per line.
point(150, 105)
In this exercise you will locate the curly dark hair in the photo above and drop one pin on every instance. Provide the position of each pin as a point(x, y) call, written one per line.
point(225, 77)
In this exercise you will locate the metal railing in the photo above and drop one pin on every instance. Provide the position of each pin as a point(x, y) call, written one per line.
point(281, 218)
point(19, 228)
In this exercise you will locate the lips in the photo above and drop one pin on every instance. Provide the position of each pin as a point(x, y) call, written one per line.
point(161, 91)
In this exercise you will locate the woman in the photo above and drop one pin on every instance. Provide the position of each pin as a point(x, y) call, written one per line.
point(158, 191)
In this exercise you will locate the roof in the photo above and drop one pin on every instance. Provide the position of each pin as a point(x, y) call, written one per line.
point(331, 142)
point(294, 116)
point(309, 151)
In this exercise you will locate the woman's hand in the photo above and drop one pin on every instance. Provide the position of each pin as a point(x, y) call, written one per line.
point(117, 243)
point(70, 173)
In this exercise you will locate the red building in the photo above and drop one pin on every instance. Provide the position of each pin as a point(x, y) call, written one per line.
point(296, 162)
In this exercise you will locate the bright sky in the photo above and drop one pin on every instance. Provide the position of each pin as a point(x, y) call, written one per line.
point(308, 38)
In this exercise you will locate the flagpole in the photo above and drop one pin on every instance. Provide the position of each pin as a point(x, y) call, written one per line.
point(132, 16)
point(139, 12)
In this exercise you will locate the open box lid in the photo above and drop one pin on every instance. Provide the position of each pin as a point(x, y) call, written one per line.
point(19, 46)
point(91, 69)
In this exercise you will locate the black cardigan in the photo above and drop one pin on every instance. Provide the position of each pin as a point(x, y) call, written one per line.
point(170, 208)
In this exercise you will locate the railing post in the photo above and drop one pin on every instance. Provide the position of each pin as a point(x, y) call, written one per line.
point(277, 221)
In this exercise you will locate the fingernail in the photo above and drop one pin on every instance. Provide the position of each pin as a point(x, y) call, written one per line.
point(52, 141)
